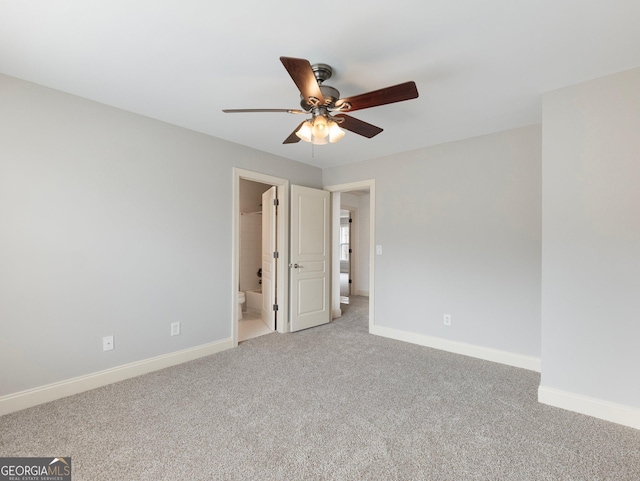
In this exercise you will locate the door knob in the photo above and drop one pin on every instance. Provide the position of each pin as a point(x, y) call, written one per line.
point(295, 266)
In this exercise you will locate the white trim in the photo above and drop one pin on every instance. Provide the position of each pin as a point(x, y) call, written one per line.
point(282, 242)
point(359, 185)
point(597, 408)
point(488, 354)
point(362, 293)
point(32, 397)
point(336, 201)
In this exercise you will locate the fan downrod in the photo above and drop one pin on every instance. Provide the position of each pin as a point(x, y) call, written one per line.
point(322, 71)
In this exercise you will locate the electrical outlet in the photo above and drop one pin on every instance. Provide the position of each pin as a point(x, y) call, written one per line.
point(447, 319)
point(107, 343)
point(175, 328)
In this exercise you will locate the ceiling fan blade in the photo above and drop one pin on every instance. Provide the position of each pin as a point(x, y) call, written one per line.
point(242, 111)
point(304, 78)
point(293, 138)
point(389, 95)
point(358, 126)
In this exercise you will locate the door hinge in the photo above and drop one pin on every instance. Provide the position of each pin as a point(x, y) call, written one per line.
point(350, 251)
point(276, 202)
point(276, 255)
point(350, 221)
point(350, 281)
point(275, 307)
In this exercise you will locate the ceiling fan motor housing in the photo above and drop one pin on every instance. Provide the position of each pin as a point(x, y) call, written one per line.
point(322, 72)
point(330, 94)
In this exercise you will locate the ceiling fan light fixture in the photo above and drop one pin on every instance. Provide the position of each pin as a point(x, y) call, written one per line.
point(335, 132)
point(320, 126)
point(319, 140)
point(320, 130)
point(305, 131)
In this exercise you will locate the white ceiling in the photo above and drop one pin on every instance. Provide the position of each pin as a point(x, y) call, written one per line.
point(480, 66)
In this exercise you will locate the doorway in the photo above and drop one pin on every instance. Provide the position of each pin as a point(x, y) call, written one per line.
point(346, 251)
point(283, 305)
point(256, 270)
point(358, 198)
point(244, 179)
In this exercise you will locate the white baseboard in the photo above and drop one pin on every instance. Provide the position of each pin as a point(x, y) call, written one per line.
point(597, 408)
point(336, 313)
point(504, 357)
point(362, 293)
point(32, 397)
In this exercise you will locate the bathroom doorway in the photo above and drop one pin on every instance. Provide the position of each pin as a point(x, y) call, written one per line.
point(255, 231)
point(259, 277)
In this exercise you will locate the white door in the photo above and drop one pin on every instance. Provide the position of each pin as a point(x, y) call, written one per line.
point(310, 257)
point(269, 257)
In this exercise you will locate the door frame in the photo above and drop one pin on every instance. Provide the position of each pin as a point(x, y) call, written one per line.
point(353, 244)
point(359, 185)
point(282, 245)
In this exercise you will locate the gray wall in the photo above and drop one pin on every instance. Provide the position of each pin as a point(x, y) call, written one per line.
point(460, 226)
point(110, 223)
point(113, 223)
point(591, 239)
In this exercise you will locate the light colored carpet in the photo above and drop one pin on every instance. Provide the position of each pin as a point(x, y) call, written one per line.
point(330, 403)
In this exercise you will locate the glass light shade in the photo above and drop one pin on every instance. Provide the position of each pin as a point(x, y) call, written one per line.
point(305, 131)
point(320, 131)
point(320, 127)
point(335, 132)
point(319, 140)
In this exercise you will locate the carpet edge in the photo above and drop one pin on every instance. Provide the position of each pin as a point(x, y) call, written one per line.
point(522, 361)
point(50, 392)
point(594, 407)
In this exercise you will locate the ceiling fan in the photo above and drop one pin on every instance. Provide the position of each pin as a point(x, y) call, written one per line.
point(327, 109)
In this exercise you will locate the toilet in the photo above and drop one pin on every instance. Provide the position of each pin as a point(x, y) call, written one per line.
point(241, 299)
